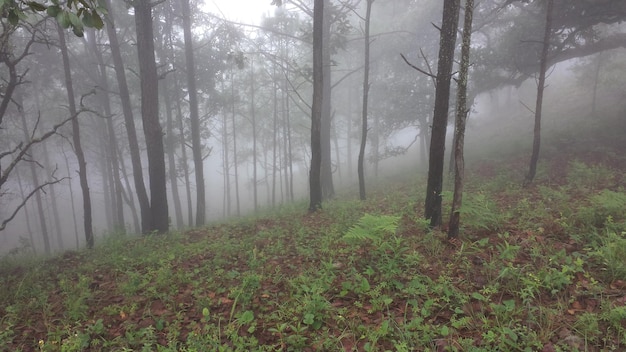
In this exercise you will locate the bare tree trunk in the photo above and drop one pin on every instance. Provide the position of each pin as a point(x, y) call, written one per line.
point(78, 149)
point(159, 217)
point(54, 203)
point(35, 180)
point(183, 151)
point(111, 149)
point(366, 88)
point(461, 117)
point(326, 171)
point(275, 135)
point(226, 160)
point(71, 189)
point(236, 167)
point(254, 139)
point(129, 198)
point(315, 185)
point(540, 89)
point(26, 212)
point(194, 119)
point(169, 142)
point(434, 187)
point(129, 122)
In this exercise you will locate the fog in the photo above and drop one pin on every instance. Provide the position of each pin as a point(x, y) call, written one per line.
point(254, 92)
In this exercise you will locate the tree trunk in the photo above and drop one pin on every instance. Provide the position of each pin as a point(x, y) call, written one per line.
point(326, 176)
point(543, 66)
point(78, 149)
point(129, 122)
point(236, 167)
point(194, 119)
point(254, 140)
point(128, 198)
point(183, 152)
point(116, 184)
point(35, 179)
point(366, 89)
point(26, 212)
point(315, 186)
point(171, 159)
point(159, 217)
point(432, 205)
point(71, 189)
point(461, 117)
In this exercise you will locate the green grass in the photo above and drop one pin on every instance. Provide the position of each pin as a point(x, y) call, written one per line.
point(537, 268)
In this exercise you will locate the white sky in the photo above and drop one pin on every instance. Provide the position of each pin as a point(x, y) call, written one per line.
point(245, 11)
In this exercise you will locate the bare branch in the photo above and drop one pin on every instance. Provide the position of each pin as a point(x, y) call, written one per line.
point(417, 68)
point(4, 223)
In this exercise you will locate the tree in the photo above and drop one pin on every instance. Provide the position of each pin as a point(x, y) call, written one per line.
point(129, 122)
point(366, 88)
point(159, 218)
point(461, 117)
point(315, 187)
point(540, 89)
point(78, 148)
point(194, 119)
point(432, 206)
point(74, 14)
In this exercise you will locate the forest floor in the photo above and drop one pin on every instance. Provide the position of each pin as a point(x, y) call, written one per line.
point(540, 268)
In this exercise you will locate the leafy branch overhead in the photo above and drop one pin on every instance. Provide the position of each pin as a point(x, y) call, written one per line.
point(74, 14)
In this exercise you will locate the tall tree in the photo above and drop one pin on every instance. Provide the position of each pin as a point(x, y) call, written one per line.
point(129, 121)
point(78, 148)
point(159, 219)
point(541, 81)
point(366, 88)
point(194, 119)
point(432, 206)
point(315, 186)
point(461, 117)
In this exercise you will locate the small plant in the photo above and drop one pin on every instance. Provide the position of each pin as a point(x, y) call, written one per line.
point(373, 228)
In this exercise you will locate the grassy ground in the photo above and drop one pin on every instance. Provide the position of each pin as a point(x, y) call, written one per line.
point(541, 268)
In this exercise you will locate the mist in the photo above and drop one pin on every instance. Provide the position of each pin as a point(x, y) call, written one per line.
point(254, 89)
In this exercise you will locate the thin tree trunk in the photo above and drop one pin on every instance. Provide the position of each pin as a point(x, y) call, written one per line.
point(71, 189)
point(183, 151)
point(461, 117)
point(54, 203)
point(315, 185)
point(226, 161)
point(194, 118)
point(129, 122)
point(128, 198)
point(171, 160)
point(275, 135)
point(434, 187)
point(35, 179)
point(235, 162)
point(26, 212)
point(543, 67)
point(78, 149)
point(326, 176)
point(366, 88)
point(159, 217)
point(254, 139)
point(111, 149)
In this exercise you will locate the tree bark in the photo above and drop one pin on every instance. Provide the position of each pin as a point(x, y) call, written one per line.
point(315, 186)
point(326, 177)
point(194, 119)
point(432, 205)
point(366, 88)
point(159, 217)
point(129, 122)
point(541, 81)
point(78, 149)
point(461, 117)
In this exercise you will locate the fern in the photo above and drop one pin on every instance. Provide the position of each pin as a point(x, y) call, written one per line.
point(373, 228)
